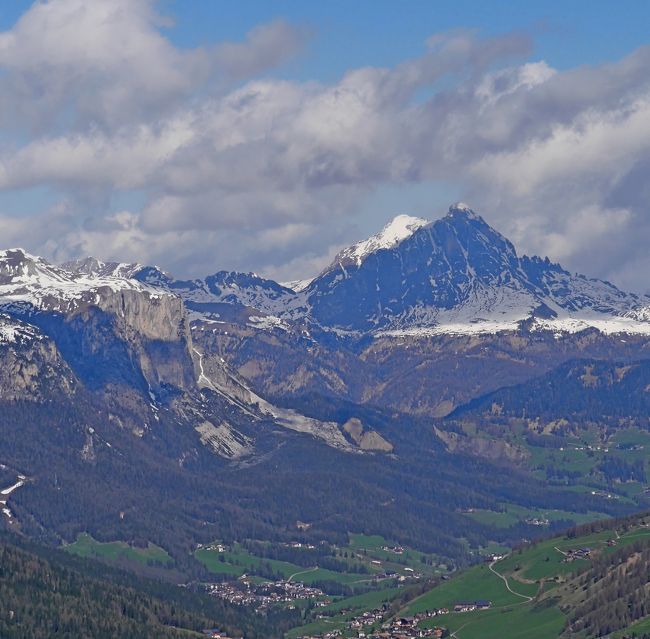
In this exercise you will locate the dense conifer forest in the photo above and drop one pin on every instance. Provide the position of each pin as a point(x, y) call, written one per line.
point(45, 593)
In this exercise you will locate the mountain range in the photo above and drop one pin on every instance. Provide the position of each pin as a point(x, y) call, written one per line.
point(455, 275)
point(127, 395)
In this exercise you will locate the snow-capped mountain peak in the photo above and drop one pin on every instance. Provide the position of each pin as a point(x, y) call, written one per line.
point(93, 267)
point(463, 209)
point(458, 274)
point(396, 231)
point(17, 266)
point(454, 275)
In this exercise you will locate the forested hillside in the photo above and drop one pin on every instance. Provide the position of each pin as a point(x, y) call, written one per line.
point(46, 593)
point(587, 390)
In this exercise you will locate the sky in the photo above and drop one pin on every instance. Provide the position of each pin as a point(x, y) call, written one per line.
point(204, 135)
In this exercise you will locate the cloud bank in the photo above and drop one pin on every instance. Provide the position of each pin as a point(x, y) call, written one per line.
point(198, 159)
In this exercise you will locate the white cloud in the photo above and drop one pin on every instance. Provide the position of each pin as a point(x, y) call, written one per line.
point(106, 63)
point(99, 61)
point(267, 174)
point(266, 46)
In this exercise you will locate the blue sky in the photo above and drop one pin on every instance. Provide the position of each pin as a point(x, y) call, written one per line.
point(267, 135)
point(381, 32)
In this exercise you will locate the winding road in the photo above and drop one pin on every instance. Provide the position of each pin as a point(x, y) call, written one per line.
point(505, 581)
point(302, 572)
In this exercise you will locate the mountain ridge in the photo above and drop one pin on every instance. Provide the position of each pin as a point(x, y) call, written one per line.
point(454, 275)
point(458, 274)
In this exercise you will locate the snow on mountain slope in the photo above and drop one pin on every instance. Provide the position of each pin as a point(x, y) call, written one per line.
point(273, 303)
point(459, 275)
point(454, 275)
point(397, 230)
point(96, 268)
point(249, 289)
point(12, 331)
point(641, 314)
point(31, 283)
point(297, 285)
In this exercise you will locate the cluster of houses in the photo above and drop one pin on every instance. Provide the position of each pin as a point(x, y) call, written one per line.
point(368, 618)
point(300, 544)
point(576, 553)
point(397, 550)
point(592, 447)
point(371, 625)
point(215, 633)
point(244, 593)
point(602, 493)
point(491, 558)
point(538, 521)
point(470, 606)
point(411, 574)
point(407, 628)
point(216, 547)
point(358, 624)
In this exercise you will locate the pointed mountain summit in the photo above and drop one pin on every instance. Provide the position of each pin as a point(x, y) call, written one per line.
point(459, 275)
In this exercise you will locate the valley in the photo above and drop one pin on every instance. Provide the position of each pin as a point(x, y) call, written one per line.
point(533, 591)
point(324, 320)
point(387, 441)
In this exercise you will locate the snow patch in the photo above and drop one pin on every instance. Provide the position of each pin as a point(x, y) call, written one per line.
point(8, 491)
point(465, 209)
point(32, 282)
point(12, 332)
point(395, 232)
point(297, 285)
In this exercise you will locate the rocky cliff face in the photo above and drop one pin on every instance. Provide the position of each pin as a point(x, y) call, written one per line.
point(157, 330)
point(31, 367)
point(419, 318)
point(130, 344)
point(109, 327)
point(421, 374)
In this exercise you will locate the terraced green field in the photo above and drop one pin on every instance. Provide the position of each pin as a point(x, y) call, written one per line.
point(476, 583)
point(546, 559)
point(523, 621)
